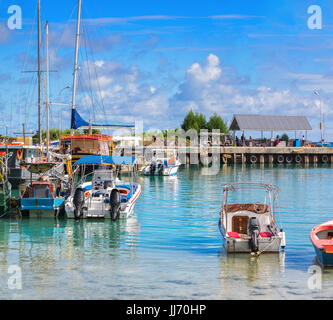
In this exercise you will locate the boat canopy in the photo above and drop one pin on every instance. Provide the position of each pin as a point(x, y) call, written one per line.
point(78, 122)
point(105, 160)
point(249, 185)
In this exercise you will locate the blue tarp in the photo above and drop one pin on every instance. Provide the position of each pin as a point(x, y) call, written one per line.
point(78, 122)
point(105, 160)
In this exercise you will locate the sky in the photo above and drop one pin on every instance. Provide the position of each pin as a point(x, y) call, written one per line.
point(154, 61)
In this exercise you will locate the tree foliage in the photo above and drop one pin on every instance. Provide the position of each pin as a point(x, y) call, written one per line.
point(198, 121)
point(195, 121)
point(216, 122)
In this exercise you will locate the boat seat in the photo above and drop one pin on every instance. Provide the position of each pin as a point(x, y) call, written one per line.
point(126, 186)
point(234, 235)
point(265, 234)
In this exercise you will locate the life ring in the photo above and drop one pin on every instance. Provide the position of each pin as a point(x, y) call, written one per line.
point(280, 158)
point(19, 154)
point(298, 158)
point(324, 158)
point(289, 159)
point(253, 159)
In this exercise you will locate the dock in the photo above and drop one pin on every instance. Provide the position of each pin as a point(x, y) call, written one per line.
point(248, 155)
point(252, 155)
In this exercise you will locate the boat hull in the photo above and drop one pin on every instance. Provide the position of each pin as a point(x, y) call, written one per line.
point(323, 257)
point(102, 210)
point(323, 245)
point(168, 171)
point(266, 245)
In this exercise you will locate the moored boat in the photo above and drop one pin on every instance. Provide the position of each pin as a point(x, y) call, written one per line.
point(163, 163)
point(322, 239)
point(250, 226)
point(101, 194)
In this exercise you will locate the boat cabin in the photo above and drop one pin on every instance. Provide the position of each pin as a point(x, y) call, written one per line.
point(237, 217)
point(41, 190)
point(84, 145)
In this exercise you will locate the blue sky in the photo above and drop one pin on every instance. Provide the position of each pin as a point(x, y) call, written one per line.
point(153, 61)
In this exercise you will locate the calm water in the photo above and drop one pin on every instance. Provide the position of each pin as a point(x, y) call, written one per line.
point(171, 247)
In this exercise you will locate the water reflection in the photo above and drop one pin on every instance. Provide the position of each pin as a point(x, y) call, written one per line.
point(244, 276)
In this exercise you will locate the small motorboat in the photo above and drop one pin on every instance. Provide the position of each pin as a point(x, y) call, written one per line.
point(163, 163)
point(43, 198)
point(250, 227)
point(101, 194)
point(322, 239)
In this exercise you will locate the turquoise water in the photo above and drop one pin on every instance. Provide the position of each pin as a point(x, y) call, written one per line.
point(171, 247)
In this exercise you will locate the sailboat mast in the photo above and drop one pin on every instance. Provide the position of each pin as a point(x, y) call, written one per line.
point(77, 43)
point(47, 91)
point(39, 75)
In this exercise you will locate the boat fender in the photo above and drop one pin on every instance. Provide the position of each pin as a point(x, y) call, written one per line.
point(289, 159)
point(324, 158)
point(253, 159)
point(115, 203)
point(280, 158)
point(78, 201)
point(282, 235)
point(298, 158)
point(254, 231)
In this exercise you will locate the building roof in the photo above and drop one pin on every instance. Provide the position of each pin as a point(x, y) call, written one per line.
point(254, 122)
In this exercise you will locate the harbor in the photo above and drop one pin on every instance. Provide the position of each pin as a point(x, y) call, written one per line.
point(162, 250)
point(136, 175)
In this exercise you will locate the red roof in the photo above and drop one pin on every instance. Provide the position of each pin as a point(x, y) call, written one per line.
point(102, 137)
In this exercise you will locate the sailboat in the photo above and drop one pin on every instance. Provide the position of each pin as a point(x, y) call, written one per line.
point(46, 195)
point(81, 145)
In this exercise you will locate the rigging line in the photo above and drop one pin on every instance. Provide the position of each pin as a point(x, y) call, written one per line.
point(89, 76)
point(25, 59)
point(31, 98)
point(96, 75)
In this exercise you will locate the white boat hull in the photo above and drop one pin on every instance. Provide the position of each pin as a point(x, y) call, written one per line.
point(266, 245)
point(168, 171)
point(98, 208)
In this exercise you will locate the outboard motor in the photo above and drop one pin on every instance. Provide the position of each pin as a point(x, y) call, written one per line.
point(115, 203)
point(78, 201)
point(152, 168)
point(160, 169)
point(253, 229)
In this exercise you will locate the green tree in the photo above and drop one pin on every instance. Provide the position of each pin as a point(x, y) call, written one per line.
point(189, 121)
point(216, 122)
point(195, 121)
point(94, 131)
point(200, 121)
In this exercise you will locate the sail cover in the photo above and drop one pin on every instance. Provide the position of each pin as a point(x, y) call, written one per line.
point(78, 122)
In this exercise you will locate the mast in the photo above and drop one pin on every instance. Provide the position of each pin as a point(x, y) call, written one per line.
point(47, 91)
point(39, 75)
point(77, 43)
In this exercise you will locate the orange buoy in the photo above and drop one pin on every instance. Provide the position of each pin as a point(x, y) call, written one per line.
point(19, 154)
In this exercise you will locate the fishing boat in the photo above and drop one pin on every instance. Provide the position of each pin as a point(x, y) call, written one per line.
point(45, 197)
point(101, 194)
point(163, 163)
point(322, 239)
point(250, 227)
